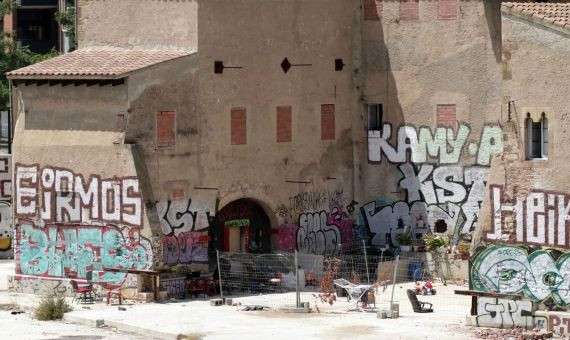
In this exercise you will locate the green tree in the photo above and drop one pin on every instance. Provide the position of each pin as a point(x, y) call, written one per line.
point(66, 19)
point(13, 57)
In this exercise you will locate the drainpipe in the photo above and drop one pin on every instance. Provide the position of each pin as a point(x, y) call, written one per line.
point(10, 116)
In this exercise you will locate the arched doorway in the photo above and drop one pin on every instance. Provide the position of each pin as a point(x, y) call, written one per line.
point(242, 226)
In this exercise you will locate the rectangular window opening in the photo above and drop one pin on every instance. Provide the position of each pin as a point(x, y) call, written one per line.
point(374, 117)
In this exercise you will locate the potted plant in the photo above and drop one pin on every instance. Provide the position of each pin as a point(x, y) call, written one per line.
point(434, 243)
point(463, 250)
point(405, 241)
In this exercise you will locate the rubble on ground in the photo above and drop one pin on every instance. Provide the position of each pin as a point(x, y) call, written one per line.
point(517, 333)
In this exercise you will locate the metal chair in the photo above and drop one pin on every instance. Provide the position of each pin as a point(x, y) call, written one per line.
point(85, 293)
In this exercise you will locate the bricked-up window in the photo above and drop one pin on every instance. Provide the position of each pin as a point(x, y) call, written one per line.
point(446, 115)
point(165, 129)
point(283, 124)
point(372, 10)
point(409, 9)
point(447, 9)
point(327, 121)
point(239, 126)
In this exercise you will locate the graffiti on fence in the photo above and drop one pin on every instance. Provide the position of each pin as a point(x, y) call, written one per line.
point(541, 217)
point(73, 250)
point(503, 313)
point(541, 274)
point(67, 197)
point(317, 232)
point(186, 247)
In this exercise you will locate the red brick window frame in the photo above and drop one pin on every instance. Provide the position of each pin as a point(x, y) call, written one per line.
point(409, 9)
point(238, 126)
point(447, 9)
point(165, 129)
point(373, 10)
point(284, 122)
point(327, 122)
point(446, 115)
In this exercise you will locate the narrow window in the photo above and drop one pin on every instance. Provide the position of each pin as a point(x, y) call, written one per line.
point(374, 117)
point(283, 124)
point(409, 9)
point(372, 10)
point(537, 137)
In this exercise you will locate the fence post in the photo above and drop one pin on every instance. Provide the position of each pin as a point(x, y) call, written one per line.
point(297, 293)
point(366, 261)
point(394, 282)
point(219, 273)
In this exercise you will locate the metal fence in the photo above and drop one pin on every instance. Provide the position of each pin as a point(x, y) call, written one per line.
point(277, 280)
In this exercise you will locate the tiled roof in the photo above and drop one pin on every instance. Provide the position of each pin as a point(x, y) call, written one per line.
point(553, 15)
point(95, 63)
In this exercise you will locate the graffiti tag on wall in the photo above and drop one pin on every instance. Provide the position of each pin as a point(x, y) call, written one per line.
point(73, 250)
point(317, 232)
point(5, 205)
point(443, 192)
point(503, 313)
point(67, 197)
point(541, 218)
point(540, 275)
point(186, 247)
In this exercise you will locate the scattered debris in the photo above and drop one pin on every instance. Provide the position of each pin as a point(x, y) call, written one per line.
point(122, 308)
point(517, 333)
point(256, 307)
point(14, 312)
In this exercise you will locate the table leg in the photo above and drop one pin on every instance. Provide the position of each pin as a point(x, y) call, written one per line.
point(473, 306)
point(155, 286)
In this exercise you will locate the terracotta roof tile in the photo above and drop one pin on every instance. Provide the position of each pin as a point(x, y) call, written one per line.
point(95, 63)
point(554, 15)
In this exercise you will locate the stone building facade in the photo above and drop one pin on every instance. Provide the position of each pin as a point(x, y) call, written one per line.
point(257, 126)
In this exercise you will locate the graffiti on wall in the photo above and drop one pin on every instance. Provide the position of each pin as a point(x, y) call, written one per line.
point(310, 201)
point(437, 188)
point(186, 247)
point(5, 206)
point(73, 250)
point(69, 198)
point(541, 274)
point(318, 232)
point(559, 323)
point(503, 313)
point(184, 227)
point(541, 217)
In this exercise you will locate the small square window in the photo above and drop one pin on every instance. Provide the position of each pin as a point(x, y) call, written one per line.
point(374, 117)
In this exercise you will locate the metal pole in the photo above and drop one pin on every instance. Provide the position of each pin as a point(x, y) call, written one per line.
point(394, 282)
point(366, 261)
point(219, 273)
point(298, 296)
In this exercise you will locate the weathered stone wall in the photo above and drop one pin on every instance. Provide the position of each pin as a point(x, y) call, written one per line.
point(438, 80)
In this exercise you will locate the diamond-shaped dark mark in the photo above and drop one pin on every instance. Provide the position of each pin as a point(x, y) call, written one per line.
point(285, 65)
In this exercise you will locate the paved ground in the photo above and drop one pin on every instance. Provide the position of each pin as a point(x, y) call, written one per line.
point(198, 319)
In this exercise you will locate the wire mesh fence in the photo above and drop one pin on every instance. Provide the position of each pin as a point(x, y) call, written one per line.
point(344, 281)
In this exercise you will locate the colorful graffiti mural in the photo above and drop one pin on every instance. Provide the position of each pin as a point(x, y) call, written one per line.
point(541, 274)
point(317, 233)
point(67, 197)
point(446, 192)
point(73, 250)
point(540, 217)
point(186, 247)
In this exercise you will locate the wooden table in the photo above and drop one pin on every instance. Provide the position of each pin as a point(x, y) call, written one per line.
point(476, 294)
point(154, 274)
